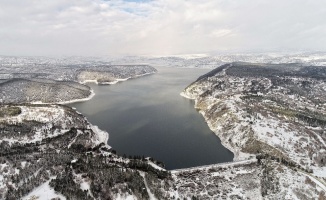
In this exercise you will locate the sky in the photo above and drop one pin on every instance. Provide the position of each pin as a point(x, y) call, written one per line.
point(159, 27)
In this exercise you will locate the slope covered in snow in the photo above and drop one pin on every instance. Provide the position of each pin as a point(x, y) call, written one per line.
point(48, 83)
point(41, 90)
point(269, 110)
point(50, 151)
point(271, 116)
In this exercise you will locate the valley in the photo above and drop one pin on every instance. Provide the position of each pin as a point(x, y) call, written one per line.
point(271, 116)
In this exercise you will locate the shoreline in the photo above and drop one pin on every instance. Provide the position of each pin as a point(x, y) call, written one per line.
point(238, 155)
point(103, 136)
point(78, 100)
point(223, 164)
point(67, 102)
point(116, 80)
point(183, 94)
point(91, 90)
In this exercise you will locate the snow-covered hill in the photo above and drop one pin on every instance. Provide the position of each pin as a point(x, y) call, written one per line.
point(42, 90)
point(53, 148)
point(266, 109)
point(52, 84)
point(51, 151)
point(271, 116)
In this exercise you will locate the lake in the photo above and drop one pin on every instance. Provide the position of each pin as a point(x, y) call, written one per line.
point(147, 116)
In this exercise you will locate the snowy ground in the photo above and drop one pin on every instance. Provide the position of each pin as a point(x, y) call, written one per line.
point(248, 114)
point(43, 192)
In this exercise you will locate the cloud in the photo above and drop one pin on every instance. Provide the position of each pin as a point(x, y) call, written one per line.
point(97, 27)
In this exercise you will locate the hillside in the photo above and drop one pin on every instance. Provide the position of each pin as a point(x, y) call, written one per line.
point(41, 90)
point(271, 116)
point(62, 84)
point(51, 151)
point(56, 149)
point(276, 110)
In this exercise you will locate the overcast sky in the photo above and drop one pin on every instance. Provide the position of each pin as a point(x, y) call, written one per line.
point(162, 27)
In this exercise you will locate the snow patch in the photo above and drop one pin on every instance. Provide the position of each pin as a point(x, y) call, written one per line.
point(155, 166)
point(100, 137)
point(45, 192)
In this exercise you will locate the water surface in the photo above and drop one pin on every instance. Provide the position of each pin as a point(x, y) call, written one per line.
point(147, 116)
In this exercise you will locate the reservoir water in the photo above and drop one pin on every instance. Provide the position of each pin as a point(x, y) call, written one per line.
point(147, 116)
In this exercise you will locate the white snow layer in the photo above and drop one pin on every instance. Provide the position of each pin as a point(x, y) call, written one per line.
point(43, 192)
